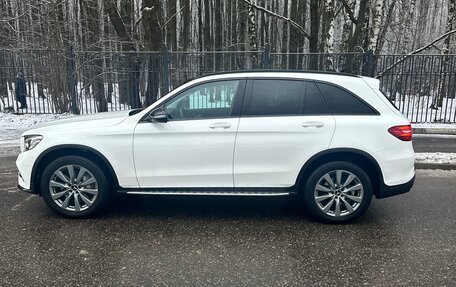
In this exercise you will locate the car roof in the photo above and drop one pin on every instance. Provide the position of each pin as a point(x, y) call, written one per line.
point(269, 73)
point(310, 75)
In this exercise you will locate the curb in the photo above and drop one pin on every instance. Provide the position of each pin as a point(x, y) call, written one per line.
point(424, 165)
point(435, 131)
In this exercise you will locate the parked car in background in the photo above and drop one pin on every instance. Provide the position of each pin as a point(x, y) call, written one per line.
point(331, 140)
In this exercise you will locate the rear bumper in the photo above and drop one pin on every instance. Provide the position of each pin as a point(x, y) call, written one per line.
point(387, 191)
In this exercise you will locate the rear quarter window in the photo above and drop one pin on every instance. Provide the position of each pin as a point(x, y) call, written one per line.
point(342, 102)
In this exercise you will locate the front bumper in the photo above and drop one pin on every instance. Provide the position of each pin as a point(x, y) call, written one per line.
point(26, 190)
point(24, 164)
point(387, 191)
point(22, 185)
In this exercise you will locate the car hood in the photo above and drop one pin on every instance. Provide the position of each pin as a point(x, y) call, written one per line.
point(81, 122)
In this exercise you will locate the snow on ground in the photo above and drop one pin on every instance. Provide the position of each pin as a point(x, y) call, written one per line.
point(12, 126)
point(416, 109)
point(434, 126)
point(36, 105)
point(436, 173)
point(436, 157)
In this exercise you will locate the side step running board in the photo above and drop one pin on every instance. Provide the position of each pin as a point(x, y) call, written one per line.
point(211, 193)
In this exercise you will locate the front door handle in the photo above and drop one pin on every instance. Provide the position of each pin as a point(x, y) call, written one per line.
point(221, 125)
point(313, 124)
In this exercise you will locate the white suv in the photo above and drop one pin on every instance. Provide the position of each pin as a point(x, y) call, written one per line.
point(331, 139)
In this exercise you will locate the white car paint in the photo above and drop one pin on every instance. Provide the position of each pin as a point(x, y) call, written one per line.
point(185, 153)
point(270, 151)
point(262, 152)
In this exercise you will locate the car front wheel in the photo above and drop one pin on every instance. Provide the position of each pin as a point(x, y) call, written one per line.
point(74, 187)
point(338, 192)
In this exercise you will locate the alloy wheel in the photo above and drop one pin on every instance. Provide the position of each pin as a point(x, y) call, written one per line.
point(73, 188)
point(338, 193)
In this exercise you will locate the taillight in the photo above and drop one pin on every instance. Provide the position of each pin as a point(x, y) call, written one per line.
point(404, 133)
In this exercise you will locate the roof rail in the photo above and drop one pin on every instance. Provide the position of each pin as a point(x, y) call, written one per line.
point(280, 71)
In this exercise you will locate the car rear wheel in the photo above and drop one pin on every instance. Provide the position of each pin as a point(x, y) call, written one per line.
point(338, 192)
point(74, 187)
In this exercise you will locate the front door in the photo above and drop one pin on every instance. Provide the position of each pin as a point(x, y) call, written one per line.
point(195, 147)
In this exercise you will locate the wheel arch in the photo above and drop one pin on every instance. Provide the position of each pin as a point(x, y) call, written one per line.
point(355, 156)
point(55, 152)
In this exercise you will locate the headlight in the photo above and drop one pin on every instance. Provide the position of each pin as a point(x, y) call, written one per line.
point(30, 142)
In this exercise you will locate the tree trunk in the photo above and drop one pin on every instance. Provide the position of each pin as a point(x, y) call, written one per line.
point(96, 77)
point(218, 34)
point(185, 35)
point(314, 32)
point(242, 27)
point(382, 36)
point(252, 38)
point(407, 27)
point(172, 25)
point(129, 84)
point(377, 12)
point(444, 67)
point(327, 33)
point(153, 41)
point(207, 36)
point(285, 42)
point(295, 36)
point(357, 38)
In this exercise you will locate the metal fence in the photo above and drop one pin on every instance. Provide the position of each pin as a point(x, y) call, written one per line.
point(57, 81)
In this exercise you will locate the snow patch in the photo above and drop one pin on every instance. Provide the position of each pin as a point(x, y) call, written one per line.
point(416, 109)
point(85, 101)
point(436, 173)
point(12, 126)
point(435, 157)
point(434, 126)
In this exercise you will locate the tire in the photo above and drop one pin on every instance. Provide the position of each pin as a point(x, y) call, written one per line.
point(344, 199)
point(72, 177)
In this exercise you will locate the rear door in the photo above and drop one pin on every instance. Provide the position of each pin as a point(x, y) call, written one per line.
point(283, 123)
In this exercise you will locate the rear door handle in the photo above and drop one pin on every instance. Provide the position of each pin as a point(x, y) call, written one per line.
point(221, 125)
point(313, 124)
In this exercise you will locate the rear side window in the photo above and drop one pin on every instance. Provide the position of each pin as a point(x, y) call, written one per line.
point(314, 104)
point(276, 97)
point(285, 97)
point(342, 102)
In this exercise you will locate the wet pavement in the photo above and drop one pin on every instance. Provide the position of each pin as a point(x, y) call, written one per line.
point(408, 240)
point(434, 143)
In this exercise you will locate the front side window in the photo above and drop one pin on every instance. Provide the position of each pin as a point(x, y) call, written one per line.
point(208, 100)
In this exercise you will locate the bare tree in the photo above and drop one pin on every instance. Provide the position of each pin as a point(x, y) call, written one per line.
point(443, 81)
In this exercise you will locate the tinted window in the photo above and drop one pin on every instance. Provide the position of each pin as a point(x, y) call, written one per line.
point(314, 104)
point(208, 100)
point(276, 97)
point(342, 102)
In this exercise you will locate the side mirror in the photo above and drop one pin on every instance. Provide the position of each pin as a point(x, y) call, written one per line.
point(158, 116)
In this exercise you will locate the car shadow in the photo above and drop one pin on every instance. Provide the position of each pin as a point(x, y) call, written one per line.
point(211, 207)
point(205, 206)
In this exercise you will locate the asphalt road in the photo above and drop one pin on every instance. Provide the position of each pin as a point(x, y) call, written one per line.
point(184, 241)
point(434, 143)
